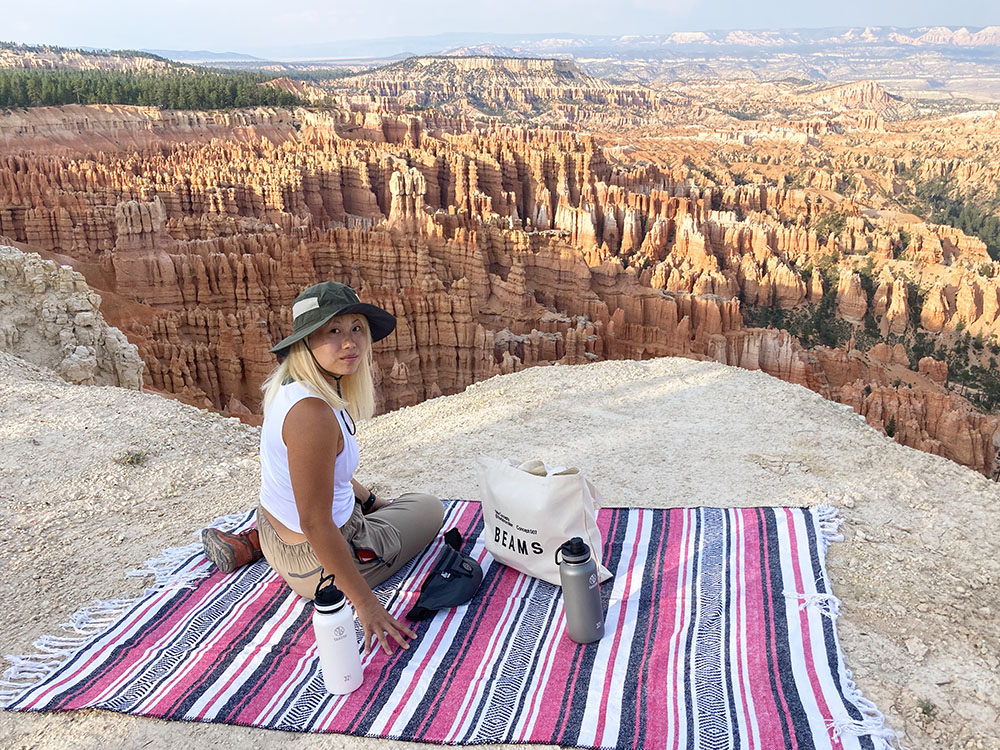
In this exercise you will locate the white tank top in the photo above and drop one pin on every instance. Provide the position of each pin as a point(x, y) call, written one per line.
point(275, 483)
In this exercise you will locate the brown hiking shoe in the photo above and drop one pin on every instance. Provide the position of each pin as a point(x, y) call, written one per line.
point(231, 551)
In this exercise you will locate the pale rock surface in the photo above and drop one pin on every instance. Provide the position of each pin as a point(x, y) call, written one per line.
point(49, 316)
point(918, 572)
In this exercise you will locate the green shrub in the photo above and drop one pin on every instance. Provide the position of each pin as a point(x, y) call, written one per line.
point(827, 224)
point(132, 458)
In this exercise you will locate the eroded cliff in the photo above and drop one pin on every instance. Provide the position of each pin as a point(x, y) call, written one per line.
point(50, 317)
point(499, 247)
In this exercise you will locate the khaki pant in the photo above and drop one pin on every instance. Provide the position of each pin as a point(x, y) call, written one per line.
point(382, 542)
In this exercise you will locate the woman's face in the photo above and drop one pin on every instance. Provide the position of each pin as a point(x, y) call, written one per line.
point(340, 344)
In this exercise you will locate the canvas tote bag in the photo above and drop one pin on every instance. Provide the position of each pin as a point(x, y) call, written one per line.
point(531, 509)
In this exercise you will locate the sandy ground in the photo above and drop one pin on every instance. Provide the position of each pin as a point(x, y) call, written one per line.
point(918, 572)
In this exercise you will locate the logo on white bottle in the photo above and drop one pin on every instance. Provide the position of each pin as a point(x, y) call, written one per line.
point(338, 632)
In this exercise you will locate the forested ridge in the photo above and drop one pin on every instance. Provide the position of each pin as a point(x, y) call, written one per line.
point(185, 89)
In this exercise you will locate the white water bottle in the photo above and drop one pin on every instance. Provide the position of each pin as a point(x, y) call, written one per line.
point(333, 625)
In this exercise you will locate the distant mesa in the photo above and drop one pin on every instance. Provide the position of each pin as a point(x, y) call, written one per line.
point(433, 67)
point(942, 35)
point(480, 50)
point(645, 46)
point(548, 90)
point(688, 37)
point(752, 39)
point(201, 55)
point(861, 95)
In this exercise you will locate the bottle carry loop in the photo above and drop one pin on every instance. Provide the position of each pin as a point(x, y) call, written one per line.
point(324, 581)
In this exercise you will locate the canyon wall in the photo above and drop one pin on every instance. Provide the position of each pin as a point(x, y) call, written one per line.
point(497, 247)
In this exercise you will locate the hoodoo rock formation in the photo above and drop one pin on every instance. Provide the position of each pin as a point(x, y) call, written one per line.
point(496, 246)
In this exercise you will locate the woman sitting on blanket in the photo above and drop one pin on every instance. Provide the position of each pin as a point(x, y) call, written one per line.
point(313, 515)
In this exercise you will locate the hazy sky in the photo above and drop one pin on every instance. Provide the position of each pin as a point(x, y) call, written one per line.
point(254, 26)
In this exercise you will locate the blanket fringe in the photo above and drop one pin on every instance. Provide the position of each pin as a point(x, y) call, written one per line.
point(164, 568)
point(827, 604)
point(872, 723)
point(52, 651)
point(829, 525)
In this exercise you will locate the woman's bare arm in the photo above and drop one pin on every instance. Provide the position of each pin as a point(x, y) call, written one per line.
point(314, 439)
point(361, 493)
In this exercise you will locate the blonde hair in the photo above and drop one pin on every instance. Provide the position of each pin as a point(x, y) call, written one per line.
point(358, 390)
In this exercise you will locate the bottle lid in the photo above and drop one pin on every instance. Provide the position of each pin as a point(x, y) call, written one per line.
point(328, 597)
point(575, 550)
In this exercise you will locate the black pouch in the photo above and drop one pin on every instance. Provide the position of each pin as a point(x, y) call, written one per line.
point(454, 580)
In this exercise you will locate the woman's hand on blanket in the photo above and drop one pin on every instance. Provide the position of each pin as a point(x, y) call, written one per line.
point(379, 625)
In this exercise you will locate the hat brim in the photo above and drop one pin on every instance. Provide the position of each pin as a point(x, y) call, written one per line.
point(380, 323)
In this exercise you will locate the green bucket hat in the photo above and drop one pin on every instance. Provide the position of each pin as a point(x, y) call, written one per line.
point(320, 302)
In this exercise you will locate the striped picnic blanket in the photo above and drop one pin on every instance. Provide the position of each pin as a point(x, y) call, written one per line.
point(719, 634)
